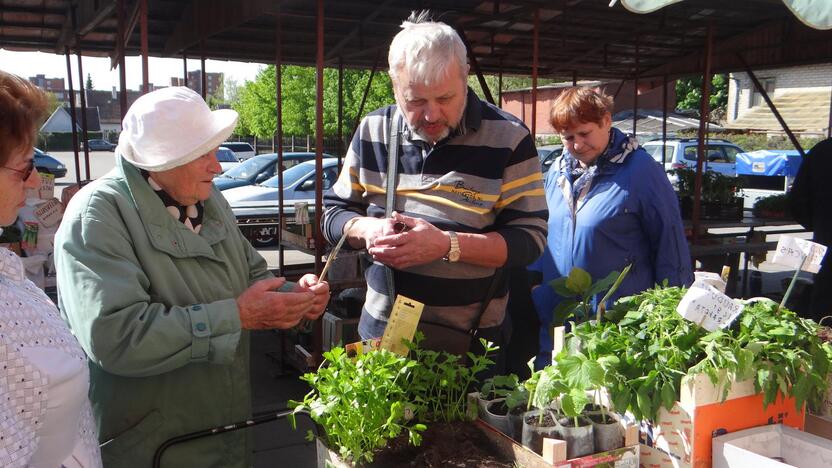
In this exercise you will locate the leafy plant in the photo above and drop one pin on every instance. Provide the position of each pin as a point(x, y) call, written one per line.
point(362, 402)
point(578, 292)
point(716, 187)
point(778, 203)
point(498, 386)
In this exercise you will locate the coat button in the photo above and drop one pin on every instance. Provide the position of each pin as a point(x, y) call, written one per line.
point(200, 326)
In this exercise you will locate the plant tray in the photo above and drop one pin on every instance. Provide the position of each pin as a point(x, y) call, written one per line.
point(713, 211)
point(624, 457)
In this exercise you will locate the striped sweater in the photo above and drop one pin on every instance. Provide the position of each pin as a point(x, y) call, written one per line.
point(485, 177)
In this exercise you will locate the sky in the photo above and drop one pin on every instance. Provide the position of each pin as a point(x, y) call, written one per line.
point(26, 64)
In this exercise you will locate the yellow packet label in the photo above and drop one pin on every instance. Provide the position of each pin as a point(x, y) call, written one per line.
point(402, 324)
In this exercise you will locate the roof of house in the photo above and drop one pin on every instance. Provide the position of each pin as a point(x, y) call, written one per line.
point(61, 122)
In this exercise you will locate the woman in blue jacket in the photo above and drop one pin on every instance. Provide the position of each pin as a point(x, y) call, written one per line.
point(610, 205)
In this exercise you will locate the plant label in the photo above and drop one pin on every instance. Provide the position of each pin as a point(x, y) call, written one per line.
point(47, 186)
point(401, 325)
point(791, 252)
point(706, 306)
point(711, 278)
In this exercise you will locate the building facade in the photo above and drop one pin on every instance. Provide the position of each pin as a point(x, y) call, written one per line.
point(213, 83)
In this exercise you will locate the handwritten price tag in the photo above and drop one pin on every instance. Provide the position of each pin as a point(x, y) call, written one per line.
point(49, 213)
point(792, 250)
point(707, 306)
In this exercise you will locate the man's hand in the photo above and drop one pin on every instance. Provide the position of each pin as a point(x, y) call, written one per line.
point(408, 242)
point(309, 282)
point(262, 307)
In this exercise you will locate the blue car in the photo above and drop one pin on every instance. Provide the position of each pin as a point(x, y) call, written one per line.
point(258, 169)
point(46, 164)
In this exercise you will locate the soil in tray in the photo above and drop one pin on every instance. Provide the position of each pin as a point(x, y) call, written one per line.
point(599, 419)
point(443, 445)
point(499, 408)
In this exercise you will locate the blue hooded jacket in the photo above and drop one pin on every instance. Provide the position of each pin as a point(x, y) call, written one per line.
point(629, 214)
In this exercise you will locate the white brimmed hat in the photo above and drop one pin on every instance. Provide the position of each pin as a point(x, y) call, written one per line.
point(170, 127)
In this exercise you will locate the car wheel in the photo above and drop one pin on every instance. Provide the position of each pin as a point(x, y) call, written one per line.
point(264, 241)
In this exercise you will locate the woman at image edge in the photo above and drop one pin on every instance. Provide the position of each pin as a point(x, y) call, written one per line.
point(45, 417)
point(610, 205)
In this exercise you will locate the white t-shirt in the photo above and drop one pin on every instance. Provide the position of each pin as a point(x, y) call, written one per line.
point(45, 416)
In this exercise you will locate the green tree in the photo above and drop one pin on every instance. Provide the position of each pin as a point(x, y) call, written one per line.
point(256, 100)
point(689, 92)
point(89, 82)
point(52, 103)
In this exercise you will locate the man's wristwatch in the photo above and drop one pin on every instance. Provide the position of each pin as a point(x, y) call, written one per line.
point(453, 253)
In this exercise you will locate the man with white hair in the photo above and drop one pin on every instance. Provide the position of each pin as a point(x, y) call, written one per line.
point(161, 288)
point(468, 192)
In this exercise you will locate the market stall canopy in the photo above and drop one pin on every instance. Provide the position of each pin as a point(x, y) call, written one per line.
point(814, 13)
point(769, 163)
point(578, 38)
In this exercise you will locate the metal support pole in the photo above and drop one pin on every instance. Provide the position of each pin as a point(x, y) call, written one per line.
point(535, 57)
point(144, 46)
point(635, 91)
point(366, 93)
point(122, 72)
point(278, 86)
point(319, 140)
point(500, 85)
point(771, 105)
point(72, 115)
point(704, 110)
point(664, 120)
point(83, 89)
point(340, 111)
point(203, 77)
point(185, 69)
point(475, 65)
point(574, 78)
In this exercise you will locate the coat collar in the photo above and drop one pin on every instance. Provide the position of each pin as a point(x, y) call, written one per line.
point(165, 232)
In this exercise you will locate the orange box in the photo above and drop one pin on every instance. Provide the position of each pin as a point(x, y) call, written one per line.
point(682, 437)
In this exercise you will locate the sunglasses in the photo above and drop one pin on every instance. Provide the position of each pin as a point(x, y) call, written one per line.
point(26, 173)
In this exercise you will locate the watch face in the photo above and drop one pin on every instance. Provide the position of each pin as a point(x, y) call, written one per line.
point(453, 255)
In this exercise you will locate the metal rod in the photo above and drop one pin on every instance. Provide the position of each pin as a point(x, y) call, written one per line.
point(203, 77)
point(475, 65)
point(500, 79)
point(278, 86)
point(340, 111)
point(366, 93)
point(185, 69)
point(704, 110)
point(618, 89)
point(535, 58)
point(771, 105)
point(122, 72)
point(574, 78)
point(144, 47)
point(72, 115)
point(635, 91)
point(664, 120)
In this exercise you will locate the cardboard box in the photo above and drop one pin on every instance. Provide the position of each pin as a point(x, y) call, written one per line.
point(819, 425)
point(775, 446)
point(681, 437)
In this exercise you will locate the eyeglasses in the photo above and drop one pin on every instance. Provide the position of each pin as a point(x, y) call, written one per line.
point(26, 173)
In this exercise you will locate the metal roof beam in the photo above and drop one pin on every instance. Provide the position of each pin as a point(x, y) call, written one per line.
point(89, 15)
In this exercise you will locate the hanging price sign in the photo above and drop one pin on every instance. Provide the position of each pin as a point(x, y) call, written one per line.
point(706, 306)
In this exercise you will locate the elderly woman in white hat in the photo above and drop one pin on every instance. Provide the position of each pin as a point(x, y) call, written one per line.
point(160, 287)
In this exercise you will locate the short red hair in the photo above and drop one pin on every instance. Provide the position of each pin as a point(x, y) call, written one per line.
point(22, 107)
point(579, 105)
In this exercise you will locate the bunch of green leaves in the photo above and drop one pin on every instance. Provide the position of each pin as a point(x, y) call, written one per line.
point(716, 187)
point(361, 402)
point(440, 382)
point(498, 386)
point(578, 292)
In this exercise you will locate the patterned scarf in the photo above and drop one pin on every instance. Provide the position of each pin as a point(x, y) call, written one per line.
point(190, 216)
point(619, 146)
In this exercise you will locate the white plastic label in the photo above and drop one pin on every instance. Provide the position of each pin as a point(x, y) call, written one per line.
point(706, 306)
point(711, 278)
point(791, 252)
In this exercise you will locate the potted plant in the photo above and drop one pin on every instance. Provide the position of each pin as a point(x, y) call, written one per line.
point(542, 421)
point(517, 403)
point(720, 195)
point(492, 400)
point(773, 206)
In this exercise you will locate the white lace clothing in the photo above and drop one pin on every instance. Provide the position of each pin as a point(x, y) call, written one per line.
point(45, 416)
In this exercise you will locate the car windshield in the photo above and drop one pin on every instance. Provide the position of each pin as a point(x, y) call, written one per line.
point(249, 168)
point(291, 175)
point(226, 155)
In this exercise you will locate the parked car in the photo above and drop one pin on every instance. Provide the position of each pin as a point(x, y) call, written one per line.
point(547, 155)
point(46, 164)
point(682, 152)
point(256, 206)
point(242, 149)
point(258, 169)
point(227, 158)
point(101, 145)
